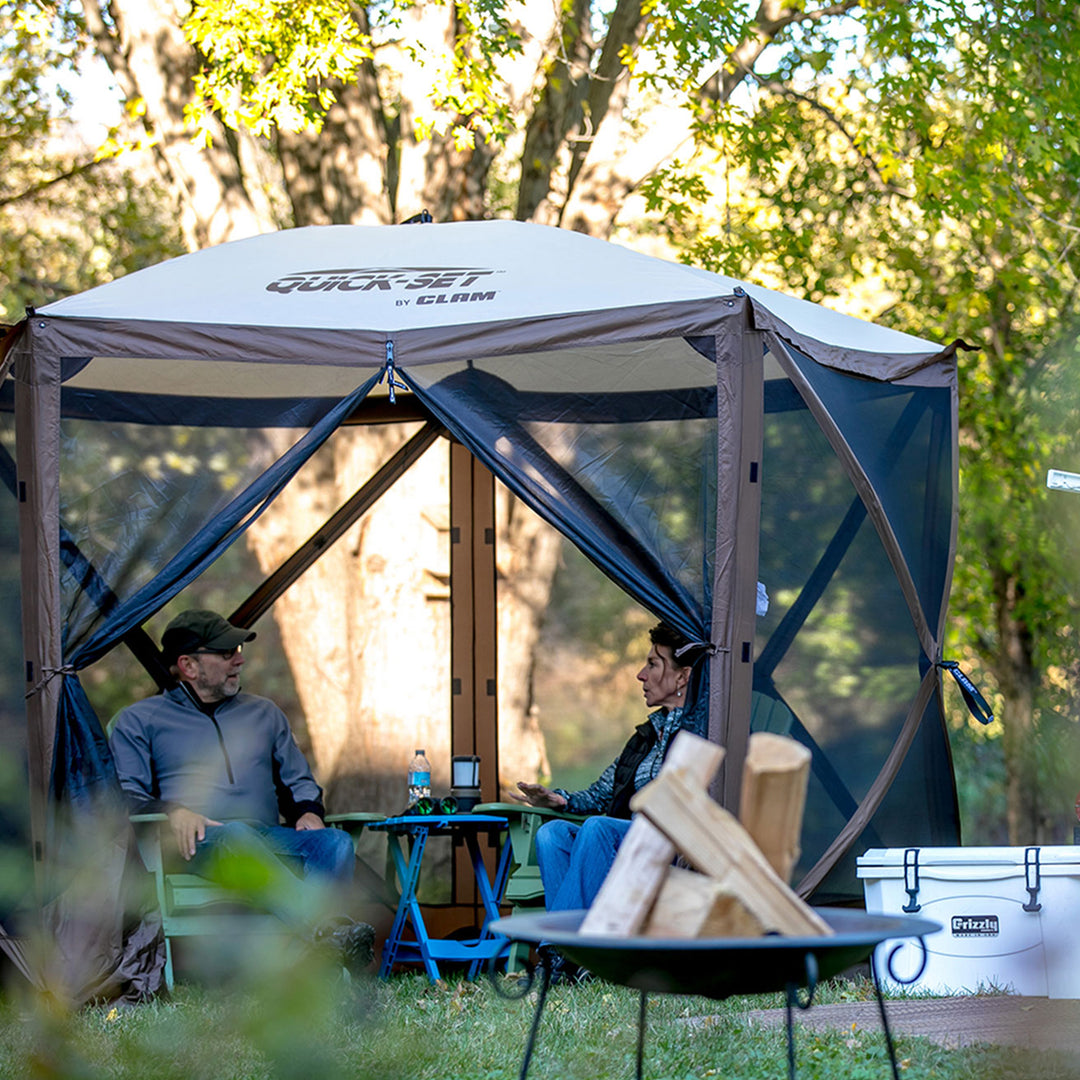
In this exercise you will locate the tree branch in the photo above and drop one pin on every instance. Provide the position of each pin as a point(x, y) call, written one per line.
point(37, 189)
point(772, 17)
point(556, 110)
point(782, 90)
point(108, 43)
point(624, 30)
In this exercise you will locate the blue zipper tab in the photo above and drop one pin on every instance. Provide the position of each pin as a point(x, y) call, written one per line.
point(388, 374)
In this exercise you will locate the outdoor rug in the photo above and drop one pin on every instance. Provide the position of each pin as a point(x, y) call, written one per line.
point(1002, 1020)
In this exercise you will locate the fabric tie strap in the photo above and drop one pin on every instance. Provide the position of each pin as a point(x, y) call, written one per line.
point(47, 677)
point(975, 702)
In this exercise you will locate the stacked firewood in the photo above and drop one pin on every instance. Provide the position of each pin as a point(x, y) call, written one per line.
point(738, 886)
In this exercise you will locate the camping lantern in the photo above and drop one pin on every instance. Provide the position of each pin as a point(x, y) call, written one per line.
point(465, 781)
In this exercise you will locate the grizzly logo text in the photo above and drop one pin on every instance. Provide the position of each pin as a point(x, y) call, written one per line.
point(975, 926)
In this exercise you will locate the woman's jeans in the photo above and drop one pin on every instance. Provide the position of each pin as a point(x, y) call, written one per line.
point(575, 859)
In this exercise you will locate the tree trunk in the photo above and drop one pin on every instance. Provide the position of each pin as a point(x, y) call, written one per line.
point(1018, 680)
point(221, 192)
point(367, 629)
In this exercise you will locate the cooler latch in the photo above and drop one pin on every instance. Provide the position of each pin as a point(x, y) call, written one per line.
point(1031, 878)
point(911, 879)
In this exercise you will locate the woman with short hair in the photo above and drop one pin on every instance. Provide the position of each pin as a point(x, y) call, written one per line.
point(575, 858)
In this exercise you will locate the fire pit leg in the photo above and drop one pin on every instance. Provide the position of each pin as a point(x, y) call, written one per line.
point(811, 967)
point(884, 1018)
point(903, 981)
point(641, 1031)
point(541, 971)
point(545, 982)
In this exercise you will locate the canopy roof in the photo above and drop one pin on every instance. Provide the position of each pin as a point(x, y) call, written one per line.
point(332, 297)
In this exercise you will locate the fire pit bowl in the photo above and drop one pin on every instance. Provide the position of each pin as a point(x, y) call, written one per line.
point(716, 967)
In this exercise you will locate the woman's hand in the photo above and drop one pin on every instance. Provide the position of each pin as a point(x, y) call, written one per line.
point(538, 795)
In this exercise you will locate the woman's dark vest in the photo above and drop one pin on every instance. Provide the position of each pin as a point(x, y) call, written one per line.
point(634, 752)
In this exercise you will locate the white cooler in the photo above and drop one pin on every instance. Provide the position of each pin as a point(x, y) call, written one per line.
point(1010, 917)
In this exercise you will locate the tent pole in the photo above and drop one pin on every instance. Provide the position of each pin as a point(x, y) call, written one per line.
point(740, 402)
point(37, 450)
point(473, 638)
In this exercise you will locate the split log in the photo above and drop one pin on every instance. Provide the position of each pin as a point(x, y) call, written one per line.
point(691, 905)
point(714, 842)
point(645, 855)
point(775, 775)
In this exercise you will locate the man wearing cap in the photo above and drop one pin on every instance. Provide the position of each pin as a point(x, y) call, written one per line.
point(225, 768)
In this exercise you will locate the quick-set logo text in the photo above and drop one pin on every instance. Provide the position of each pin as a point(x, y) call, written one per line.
point(409, 284)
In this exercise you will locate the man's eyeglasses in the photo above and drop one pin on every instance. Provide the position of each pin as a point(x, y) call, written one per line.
point(226, 654)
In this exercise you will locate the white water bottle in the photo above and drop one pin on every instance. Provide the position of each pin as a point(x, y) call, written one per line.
point(419, 778)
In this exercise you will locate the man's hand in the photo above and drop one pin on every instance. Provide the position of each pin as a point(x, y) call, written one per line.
point(538, 795)
point(188, 828)
point(309, 821)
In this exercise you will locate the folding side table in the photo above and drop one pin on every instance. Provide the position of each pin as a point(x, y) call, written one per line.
point(424, 949)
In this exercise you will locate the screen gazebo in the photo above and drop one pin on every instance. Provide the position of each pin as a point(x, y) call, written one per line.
point(816, 454)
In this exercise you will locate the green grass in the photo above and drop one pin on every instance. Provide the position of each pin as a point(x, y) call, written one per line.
point(308, 1026)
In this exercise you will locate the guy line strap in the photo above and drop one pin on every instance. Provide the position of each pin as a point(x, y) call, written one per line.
point(48, 674)
point(975, 702)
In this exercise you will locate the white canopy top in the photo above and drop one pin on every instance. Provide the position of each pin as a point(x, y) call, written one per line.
point(394, 279)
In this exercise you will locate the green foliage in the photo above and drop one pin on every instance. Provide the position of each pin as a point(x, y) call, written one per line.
point(470, 92)
point(271, 62)
point(979, 765)
point(933, 157)
point(687, 39)
point(278, 64)
point(100, 222)
point(36, 41)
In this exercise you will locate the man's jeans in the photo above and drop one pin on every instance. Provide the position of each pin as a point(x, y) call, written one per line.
point(249, 858)
point(575, 859)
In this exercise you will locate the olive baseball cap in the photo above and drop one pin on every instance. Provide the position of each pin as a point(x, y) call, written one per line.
point(197, 629)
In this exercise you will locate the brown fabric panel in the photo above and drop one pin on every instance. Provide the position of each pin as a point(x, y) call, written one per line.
point(103, 930)
point(865, 489)
point(747, 539)
point(882, 782)
point(364, 348)
point(740, 396)
point(954, 480)
point(16, 953)
point(37, 432)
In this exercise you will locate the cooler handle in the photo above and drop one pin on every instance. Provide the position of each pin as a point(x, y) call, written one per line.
point(1032, 878)
point(911, 880)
